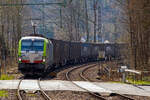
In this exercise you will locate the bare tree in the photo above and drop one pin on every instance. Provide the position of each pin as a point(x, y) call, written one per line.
point(87, 23)
point(10, 31)
point(138, 26)
point(95, 2)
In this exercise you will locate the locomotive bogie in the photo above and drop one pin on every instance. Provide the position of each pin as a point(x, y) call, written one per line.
point(31, 69)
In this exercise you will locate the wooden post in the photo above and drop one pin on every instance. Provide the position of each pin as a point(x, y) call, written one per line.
point(0, 68)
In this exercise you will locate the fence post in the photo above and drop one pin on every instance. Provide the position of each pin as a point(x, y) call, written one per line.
point(124, 77)
point(0, 69)
point(123, 73)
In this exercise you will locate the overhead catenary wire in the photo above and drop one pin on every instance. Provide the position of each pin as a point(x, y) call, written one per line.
point(29, 4)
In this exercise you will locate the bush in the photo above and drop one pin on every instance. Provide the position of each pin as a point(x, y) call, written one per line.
point(3, 93)
point(6, 77)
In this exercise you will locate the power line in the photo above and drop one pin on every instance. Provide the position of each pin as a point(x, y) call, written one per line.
point(28, 4)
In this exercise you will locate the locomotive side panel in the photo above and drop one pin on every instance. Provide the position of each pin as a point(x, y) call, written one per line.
point(49, 54)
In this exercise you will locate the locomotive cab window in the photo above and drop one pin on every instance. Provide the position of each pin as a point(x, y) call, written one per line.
point(38, 45)
point(29, 45)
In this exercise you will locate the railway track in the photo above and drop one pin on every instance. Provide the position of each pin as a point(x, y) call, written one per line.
point(69, 79)
point(40, 93)
point(86, 79)
point(19, 94)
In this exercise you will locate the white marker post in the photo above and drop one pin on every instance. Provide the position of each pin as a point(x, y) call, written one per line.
point(123, 68)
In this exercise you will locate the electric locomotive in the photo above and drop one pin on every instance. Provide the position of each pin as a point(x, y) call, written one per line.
point(35, 55)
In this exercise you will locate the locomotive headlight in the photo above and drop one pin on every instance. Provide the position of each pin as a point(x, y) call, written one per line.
point(19, 59)
point(44, 59)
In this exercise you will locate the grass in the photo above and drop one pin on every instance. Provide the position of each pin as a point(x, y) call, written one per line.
point(138, 82)
point(131, 81)
point(116, 82)
point(6, 77)
point(3, 93)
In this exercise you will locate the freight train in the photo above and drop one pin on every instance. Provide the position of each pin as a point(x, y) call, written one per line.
point(38, 55)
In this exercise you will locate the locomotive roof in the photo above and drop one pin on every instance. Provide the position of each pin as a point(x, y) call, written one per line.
point(32, 37)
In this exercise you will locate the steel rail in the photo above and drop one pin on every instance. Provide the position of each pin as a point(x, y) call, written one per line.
point(45, 96)
point(18, 91)
point(86, 79)
point(43, 92)
point(82, 76)
point(68, 78)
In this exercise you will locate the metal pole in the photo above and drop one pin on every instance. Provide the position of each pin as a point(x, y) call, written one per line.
point(60, 18)
point(135, 57)
point(5, 62)
point(34, 29)
point(2, 52)
point(43, 18)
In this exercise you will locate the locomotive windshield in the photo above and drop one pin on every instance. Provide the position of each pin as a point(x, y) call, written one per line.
point(29, 45)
